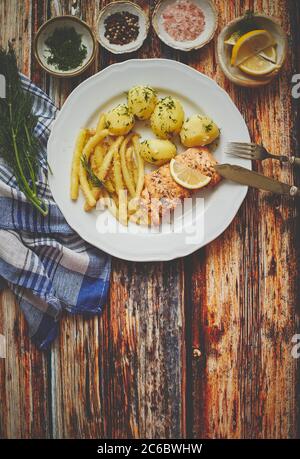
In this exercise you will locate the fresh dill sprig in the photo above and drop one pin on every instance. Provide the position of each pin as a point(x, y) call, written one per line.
point(92, 177)
point(19, 146)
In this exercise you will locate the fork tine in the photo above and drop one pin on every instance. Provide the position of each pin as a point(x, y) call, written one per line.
point(239, 148)
point(241, 152)
point(237, 152)
point(244, 144)
point(241, 155)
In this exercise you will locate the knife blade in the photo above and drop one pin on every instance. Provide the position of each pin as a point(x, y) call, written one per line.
point(254, 179)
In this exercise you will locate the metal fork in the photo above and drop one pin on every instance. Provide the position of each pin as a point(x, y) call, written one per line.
point(257, 152)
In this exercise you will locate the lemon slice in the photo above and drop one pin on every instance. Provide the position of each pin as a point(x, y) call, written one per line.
point(269, 54)
point(250, 44)
point(257, 66)
point(188, 177)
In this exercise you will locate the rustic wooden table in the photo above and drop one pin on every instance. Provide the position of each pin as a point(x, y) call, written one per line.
point(197, 347)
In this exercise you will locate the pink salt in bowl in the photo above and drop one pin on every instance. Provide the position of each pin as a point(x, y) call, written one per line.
point(185, 24)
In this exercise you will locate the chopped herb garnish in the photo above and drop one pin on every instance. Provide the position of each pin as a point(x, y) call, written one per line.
point(123, 109)
point(148, 93)
point(167, 102)
point(65, 48)
point(208, 127)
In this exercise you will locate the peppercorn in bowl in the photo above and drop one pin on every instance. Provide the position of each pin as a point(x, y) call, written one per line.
point(122, 27)
point(65, 46)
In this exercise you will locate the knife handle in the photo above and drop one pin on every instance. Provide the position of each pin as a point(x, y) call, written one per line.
point(294, 161)
point(295, 192)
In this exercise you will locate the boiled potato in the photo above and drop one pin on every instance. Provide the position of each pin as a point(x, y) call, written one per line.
point(199, 130)
point(157, 151)
point(120, 120)
point(167, 118)
point(142, 101)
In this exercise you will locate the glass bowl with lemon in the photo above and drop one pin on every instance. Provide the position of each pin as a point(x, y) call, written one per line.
point(252, 50)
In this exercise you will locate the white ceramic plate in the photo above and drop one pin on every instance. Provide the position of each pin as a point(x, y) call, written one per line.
point(202, 221)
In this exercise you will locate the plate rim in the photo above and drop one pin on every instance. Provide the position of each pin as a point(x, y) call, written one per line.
point(185, 249)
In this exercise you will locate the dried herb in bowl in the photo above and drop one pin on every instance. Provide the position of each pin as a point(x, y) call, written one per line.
point(66, 50)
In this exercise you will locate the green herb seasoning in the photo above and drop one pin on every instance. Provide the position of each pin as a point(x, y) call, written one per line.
point(208, 127)
point(66, 51)
point(92, 177)
point(19, 145)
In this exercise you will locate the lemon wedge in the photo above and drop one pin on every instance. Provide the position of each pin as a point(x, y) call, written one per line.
point(257, 66)
point(250, 44)
point(188, 177)
point(269, 54)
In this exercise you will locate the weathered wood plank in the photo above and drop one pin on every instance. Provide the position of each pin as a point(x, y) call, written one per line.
point(78, 403)
point(15, 20)
point(24, 378)
point(24, 372)
point(147, 351)
point(244, 284)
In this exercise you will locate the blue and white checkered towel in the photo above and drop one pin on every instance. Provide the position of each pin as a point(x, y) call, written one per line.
point(45, 263)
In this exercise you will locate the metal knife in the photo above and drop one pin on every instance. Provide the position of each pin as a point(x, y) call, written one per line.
point(254, 179)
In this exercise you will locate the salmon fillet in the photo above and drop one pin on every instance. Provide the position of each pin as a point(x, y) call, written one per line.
point(161, 193)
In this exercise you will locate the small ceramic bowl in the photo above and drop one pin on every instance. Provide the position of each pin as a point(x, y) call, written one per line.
point(47, 29)
point(118, 7)
point(234, 74)
point(211, 24)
